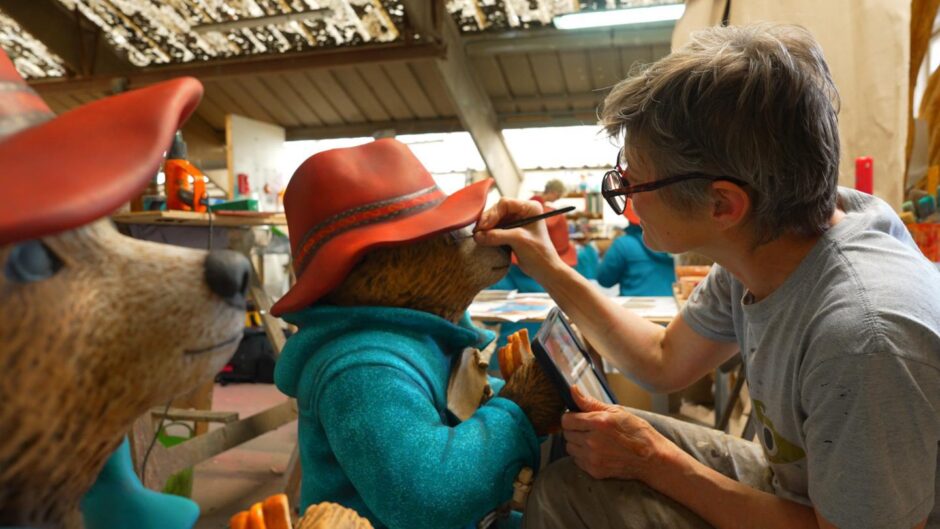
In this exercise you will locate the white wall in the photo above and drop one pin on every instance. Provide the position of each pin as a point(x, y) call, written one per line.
point(256, 149)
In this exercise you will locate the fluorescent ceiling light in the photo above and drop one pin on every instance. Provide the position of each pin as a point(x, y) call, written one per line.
point(619, 17)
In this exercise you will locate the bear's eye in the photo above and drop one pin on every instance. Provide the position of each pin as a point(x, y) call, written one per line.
point(31, 261)
point(455, 236)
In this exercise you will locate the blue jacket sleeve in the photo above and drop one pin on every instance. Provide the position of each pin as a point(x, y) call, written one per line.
point(408, 465)
point(613, 265)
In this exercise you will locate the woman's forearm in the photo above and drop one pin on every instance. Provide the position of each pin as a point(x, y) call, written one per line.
point(629, 342)
point(724, 502)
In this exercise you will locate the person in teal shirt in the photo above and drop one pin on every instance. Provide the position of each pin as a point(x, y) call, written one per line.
point(638, 270)
point(588, 259)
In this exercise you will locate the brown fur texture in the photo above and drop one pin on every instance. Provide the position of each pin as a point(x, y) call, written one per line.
point(533, 391)
point(442, 275)
point(123, 326)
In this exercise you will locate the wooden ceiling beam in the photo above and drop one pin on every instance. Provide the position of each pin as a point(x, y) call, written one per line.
point(375, 129)
point(473, 105)
point(586, 100)
point(426, 18)
point(226, 69)
point(379, 129)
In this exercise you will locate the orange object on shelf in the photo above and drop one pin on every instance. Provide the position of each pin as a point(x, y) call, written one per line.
point(180, 195)
point(927, 237)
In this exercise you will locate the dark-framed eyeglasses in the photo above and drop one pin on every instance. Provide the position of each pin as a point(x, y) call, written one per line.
point(616, 191)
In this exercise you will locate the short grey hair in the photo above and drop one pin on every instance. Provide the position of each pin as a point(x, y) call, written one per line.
point(756, 103)
point(555, 186)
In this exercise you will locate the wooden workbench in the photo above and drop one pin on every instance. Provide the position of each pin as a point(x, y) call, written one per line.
point(222, 219)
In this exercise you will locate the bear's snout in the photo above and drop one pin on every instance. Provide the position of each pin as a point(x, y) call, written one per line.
point(227, 274)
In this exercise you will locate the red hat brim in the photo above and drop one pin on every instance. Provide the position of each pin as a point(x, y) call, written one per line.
point(85, 163)
point(333, 262)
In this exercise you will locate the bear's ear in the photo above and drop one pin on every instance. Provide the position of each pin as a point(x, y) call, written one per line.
point(31, 261)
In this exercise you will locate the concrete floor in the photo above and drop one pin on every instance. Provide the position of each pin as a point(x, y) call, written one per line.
point(233, 480)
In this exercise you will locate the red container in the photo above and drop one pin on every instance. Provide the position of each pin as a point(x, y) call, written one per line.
point(864, 173)
point(242, 186)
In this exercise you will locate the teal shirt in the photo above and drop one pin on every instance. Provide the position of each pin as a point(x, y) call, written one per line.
point(588, 261)
point(639, 270)
point(516, 279)
point(374, 430)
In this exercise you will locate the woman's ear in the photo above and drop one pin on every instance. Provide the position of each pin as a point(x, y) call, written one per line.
point(731, 204)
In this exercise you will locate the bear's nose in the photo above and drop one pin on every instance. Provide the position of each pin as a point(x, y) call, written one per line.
point(227, 274)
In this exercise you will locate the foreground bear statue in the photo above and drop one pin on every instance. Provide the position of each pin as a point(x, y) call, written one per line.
point(398, 420)
point(94, 335)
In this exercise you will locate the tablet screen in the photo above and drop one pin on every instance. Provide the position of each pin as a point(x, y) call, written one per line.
point(571, 362)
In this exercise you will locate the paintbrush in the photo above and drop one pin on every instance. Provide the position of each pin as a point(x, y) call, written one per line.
point(529, 220)
point(522, 222)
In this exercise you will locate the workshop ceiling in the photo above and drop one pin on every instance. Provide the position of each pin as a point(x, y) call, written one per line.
point(152, 32)
point(178, 31)
point(332, 68)
point(30, 56)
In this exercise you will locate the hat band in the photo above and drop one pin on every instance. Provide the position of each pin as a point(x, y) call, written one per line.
point(20, 108)
point(10, 125)
point(368, 214)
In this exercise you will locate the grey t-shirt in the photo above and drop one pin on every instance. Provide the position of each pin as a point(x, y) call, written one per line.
point(843, 366)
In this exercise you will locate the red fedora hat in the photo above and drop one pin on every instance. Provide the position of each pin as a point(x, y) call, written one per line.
point(343, 202)
point(62, 172)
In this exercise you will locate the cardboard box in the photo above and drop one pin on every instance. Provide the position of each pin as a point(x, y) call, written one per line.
point(629, 393)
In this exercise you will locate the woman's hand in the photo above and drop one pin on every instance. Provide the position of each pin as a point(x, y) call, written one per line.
point(530, 243)
point(607, 441)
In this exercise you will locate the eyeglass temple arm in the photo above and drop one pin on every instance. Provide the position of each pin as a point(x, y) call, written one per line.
point(639, 188)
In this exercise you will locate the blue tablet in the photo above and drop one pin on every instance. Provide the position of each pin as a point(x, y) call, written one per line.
point(566, 361)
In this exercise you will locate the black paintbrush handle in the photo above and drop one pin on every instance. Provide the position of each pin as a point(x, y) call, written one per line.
point(529, 220)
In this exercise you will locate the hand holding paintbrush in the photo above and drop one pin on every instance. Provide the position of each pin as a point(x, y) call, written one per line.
point(528, 220)
point(523, 221)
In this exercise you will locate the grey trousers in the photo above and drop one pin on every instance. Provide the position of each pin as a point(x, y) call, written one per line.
point(566, 497)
